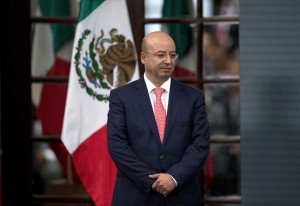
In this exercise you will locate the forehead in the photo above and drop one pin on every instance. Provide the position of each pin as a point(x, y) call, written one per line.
point(161, 43)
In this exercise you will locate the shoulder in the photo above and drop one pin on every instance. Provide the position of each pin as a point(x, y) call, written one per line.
point(187, 89)
point(127, 88)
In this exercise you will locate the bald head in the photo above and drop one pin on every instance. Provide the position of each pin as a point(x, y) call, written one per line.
point(156, 40)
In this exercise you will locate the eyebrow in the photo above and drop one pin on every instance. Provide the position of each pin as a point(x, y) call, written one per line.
point(165, 51)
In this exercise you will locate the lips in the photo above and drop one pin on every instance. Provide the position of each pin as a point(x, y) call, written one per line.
point(165, 68)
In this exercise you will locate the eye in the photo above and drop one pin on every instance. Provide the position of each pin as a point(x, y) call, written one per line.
point(173, 55)
point(160, 55)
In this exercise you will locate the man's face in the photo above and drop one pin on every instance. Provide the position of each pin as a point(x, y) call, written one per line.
point(159, 59)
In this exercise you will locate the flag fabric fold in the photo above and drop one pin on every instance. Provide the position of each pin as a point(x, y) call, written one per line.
point(182, 36)
point(51, 53)
point(104, 57)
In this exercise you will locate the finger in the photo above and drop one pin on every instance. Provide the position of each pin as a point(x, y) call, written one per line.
point(153, 176)
point(154, 186)
point(159, 189)
point(165, 193)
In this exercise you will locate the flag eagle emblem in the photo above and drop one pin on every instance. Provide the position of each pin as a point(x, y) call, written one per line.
point(106, 62)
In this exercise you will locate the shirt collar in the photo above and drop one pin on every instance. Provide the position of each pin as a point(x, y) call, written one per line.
point(150, 86)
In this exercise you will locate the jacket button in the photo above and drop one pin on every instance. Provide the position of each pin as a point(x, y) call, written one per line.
point(162, 156)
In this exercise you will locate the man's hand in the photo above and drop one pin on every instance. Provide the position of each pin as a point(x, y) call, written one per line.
point(164, 183)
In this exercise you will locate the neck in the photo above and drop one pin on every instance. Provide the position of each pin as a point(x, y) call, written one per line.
point(155, 81)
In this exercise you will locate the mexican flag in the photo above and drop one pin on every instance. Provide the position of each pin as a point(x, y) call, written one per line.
point(182, 36)
point(104, 57)
point(51, 54)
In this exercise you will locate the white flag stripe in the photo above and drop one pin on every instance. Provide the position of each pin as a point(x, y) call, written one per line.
point(43, 56)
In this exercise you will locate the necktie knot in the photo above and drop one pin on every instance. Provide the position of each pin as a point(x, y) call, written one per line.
point(158, 91)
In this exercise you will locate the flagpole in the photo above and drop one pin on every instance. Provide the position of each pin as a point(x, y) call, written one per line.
point(69, 170)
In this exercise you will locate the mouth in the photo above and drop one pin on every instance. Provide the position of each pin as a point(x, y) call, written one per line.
point(165, 68)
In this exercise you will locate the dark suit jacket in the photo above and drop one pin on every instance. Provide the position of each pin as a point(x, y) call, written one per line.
point(134, 145)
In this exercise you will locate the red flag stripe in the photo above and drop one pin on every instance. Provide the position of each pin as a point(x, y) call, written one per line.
point(95, 167)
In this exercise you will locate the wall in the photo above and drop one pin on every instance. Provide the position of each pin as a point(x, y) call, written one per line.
point(270, 102)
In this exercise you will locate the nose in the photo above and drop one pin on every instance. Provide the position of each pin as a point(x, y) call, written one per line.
point(167, 59)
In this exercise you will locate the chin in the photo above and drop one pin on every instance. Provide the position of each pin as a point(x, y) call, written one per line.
point(166, 73)
point(165, 76)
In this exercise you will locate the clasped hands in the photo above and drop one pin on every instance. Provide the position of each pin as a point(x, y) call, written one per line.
point(164, 183)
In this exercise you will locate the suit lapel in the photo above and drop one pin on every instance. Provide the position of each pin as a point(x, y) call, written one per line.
point(144, 103)
point(175, 99)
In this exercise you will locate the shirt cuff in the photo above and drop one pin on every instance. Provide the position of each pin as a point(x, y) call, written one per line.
point(173, 179)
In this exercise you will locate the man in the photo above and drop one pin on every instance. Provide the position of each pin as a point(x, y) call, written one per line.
point(158, 143)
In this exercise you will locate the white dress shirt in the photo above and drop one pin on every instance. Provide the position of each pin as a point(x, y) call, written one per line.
point(165, 95)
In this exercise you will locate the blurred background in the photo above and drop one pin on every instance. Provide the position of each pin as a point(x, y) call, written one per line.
point(206, 33)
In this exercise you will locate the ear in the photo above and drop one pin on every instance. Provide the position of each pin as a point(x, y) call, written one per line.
point(142, 57)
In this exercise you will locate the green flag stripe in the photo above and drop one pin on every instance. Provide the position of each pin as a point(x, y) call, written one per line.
point(86, 7)
point(182, 34)
point(61, 33)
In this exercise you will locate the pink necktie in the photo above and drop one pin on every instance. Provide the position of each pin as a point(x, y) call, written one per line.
point(160, 113)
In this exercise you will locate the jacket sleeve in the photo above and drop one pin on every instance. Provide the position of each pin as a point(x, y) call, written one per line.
point(195, 155)
point(125, 158)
